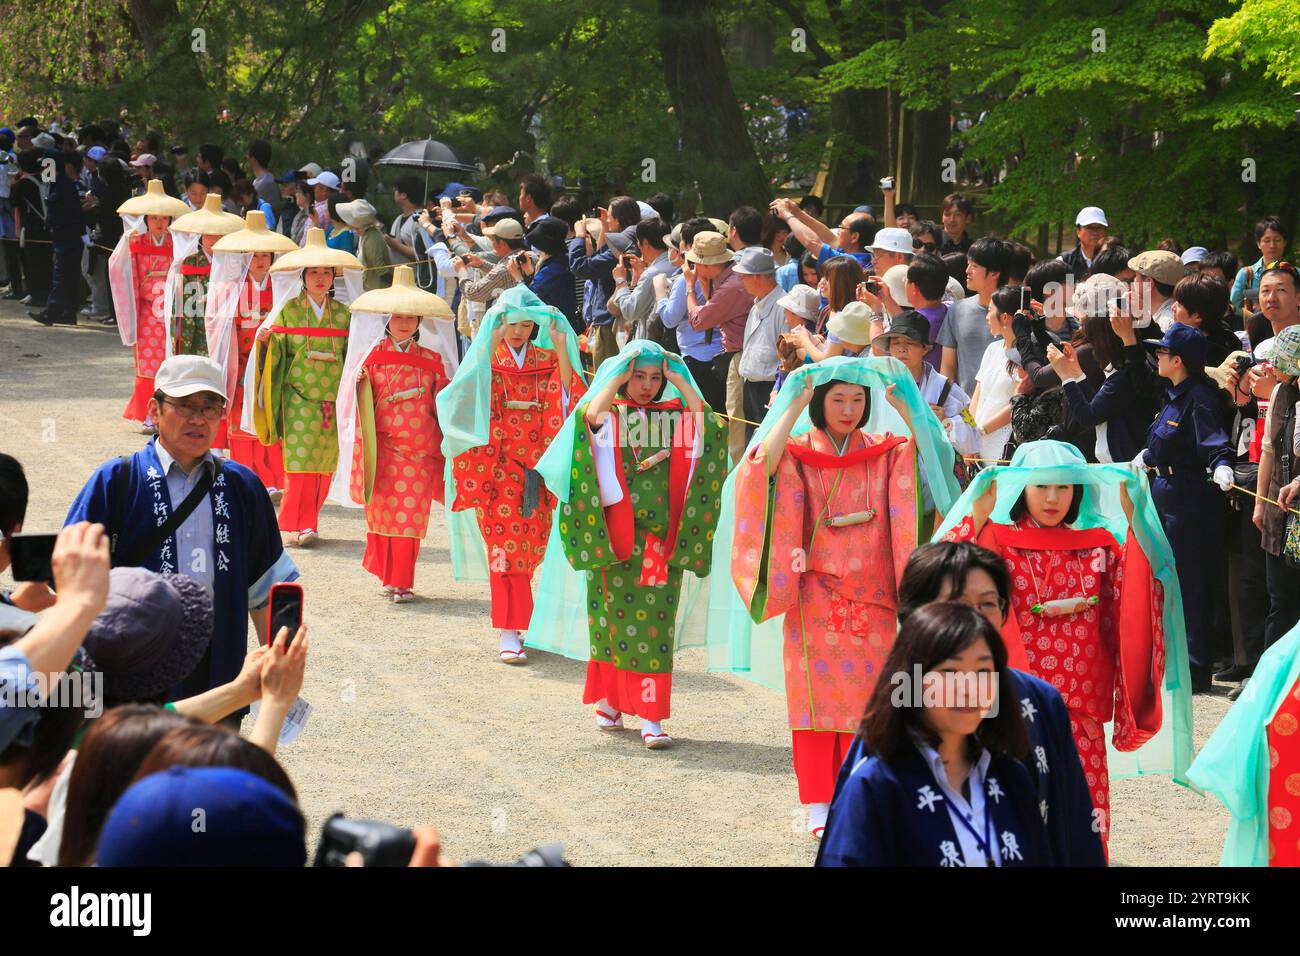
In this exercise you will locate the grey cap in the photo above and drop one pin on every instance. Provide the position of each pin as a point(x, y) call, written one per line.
point(754, 261)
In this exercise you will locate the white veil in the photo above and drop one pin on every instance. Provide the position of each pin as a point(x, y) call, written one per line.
point(121, 279)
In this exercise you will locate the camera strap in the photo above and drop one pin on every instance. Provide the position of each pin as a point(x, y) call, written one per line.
point(155, 536)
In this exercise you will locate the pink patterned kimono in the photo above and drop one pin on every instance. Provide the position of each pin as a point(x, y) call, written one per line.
point(836, 585)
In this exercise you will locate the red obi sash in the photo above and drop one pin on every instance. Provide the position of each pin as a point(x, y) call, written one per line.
point(196, 270)
point(386, 357)
point(309, 332)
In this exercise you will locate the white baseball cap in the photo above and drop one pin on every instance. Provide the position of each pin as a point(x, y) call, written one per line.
point(311, 169)
point(183, 375)
point(324, 179)
point(144, 159)
point(1091, 216)
point(891, 239)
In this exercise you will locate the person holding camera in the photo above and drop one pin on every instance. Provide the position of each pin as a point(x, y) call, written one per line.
point(550, 279)
point(507, 237)
point(634, 292)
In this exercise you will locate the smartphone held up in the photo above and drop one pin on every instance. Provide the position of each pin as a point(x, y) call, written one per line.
point(285, 610)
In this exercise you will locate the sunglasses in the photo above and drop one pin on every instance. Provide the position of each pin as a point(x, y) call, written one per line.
point(927, 246)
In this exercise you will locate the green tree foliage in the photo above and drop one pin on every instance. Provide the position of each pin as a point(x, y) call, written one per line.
point(1173, 115)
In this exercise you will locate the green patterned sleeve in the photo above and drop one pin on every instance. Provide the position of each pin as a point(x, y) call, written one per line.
point(694, 548)
point(583, 530)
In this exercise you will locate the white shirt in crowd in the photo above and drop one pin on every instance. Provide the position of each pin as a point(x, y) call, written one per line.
point(995, 388)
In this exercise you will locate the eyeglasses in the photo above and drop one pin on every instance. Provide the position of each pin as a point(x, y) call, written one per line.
point(209, 412)
point(927, 246)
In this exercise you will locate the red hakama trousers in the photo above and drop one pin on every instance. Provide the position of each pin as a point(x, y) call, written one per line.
point(818, 755)
point(512, 600)
point(137, 409)
point(391, 559)
point(267, 461)
point(648, 696)
point(304, 494)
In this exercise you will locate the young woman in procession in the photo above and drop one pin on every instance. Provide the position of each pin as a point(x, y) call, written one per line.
point(825, 523)
point(968, 574)
point(1088, 614)
point(646, 475)
point(137, 275)
point(942, 785)
point(297, 371)
point(506, 402)
point(194, 236)
point(393, 451)
point(232, 321)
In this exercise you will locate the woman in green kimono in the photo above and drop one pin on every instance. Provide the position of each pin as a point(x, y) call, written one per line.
point(194, 235)
point(645, 474)
point(299, 364)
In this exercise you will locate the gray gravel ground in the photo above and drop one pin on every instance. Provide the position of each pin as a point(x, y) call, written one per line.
point(414, 721)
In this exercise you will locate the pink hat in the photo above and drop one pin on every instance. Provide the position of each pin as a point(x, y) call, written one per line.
point(144, 159)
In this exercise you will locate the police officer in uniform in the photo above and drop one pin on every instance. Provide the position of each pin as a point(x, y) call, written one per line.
point(1187, 440)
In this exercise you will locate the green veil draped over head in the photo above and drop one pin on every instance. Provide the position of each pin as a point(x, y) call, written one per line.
point(734, 642)
point(559, 622)
point(465, 412)
point(1054, 462)
point(1234, 763)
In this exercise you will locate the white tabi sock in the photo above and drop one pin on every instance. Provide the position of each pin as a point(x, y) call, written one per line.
point(510, 641)
point(817, 814)
point(651, 727)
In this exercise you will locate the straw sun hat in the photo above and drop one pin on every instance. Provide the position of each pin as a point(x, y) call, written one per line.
point(210, 220)
point(154, 202)
point(255, 237)
point(403, 297)
point(315, 253)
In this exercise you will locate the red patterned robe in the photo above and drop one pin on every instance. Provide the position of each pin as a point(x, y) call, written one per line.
point(149, 264)
point(1103, 672)
point(266, 460)
point(528, 410)
point(836, 585)
point(406, 463)
point(1284, 782)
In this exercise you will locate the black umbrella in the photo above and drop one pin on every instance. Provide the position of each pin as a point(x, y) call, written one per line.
point(427, 154)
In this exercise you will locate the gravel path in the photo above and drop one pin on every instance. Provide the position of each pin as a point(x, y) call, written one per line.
point(414, 721)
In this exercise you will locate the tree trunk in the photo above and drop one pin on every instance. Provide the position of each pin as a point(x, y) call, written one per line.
point(716, 147)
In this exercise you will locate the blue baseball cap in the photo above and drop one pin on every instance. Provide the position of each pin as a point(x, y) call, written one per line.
point(245, 821)
point(502, 212)
point(289, 176)
point(96, 153)
point(1187, 343)
point(455, 189)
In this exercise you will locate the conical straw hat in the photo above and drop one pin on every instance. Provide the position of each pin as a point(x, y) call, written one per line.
point(316, 253)
point(403, 297)
point(255, 237)
point(155, 202)
point(210, 220)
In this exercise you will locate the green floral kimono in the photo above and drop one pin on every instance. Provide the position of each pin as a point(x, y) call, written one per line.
point(298, 373)
point(649, 517)
point(189, 335)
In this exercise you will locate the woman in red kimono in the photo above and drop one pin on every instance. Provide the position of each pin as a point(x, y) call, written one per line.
point(251, 304)
point(825, 523)
point(138, 278)
point(532, 389)
point(1071, 588)
point(396, 457)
